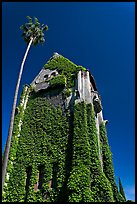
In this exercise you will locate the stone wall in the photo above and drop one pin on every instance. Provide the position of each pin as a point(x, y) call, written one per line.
point(84, 90)
point(41, 80)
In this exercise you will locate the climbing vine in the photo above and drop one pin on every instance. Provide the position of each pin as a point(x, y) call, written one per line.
point(59, 80)
point(14, 141)
point(42, 141)
point(54, 153)
point(79, 180)
point(108, 164)
point(100, 185)
point(121, 190)
point(64, 67)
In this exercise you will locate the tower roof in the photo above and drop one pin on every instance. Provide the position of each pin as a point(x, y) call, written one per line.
point(60, 65)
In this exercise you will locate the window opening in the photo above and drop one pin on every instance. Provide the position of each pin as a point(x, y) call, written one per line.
point(85, 75)
point(27, 182)
point(36, 184)
point(41, 176)
point(53, 181)
point(46, 76)
point(53, 74)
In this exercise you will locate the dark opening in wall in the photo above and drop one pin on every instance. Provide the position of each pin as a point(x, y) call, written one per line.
point(85, 75)
point(46, 76)
point(17, 110)
point(41, 176)
point(97, 104)
point(92, 80)
point(53, 182)
point(53, 74)
point(28, 177)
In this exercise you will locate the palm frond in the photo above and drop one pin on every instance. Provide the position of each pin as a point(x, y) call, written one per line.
point(29, 18)
point(34, 30)
point(45, 28)
point(36, 20)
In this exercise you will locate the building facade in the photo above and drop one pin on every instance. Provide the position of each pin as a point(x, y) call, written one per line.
point(59, 149)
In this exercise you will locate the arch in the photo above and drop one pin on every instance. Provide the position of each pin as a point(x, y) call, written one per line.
point(46, 76)
point(53, 74)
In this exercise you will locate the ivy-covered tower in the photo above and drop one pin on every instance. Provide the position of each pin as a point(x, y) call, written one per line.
point(59, 149)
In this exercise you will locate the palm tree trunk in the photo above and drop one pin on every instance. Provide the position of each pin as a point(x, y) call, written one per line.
point(7, 148)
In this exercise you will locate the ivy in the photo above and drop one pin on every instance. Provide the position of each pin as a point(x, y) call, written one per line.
point(63, 143)
point(100, 185)
point(79, 180)
point(108, 164)
point(121, 190)
point(67, 92)
point(87, 182)
point(64, 67)
point(42, 141)
point(59, 80)
point(14, 144)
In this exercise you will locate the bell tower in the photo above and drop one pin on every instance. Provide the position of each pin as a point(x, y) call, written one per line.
point(59, 148)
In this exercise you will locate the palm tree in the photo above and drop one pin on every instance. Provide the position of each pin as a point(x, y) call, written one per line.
point(33, 35)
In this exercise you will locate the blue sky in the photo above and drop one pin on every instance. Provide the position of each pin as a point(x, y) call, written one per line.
point(98, 36)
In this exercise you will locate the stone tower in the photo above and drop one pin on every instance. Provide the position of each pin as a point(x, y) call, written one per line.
point(59, 149)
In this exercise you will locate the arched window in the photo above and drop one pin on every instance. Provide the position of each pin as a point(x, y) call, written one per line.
point(40, 177)
point(53, 181)
point(46, 76)
point(53, 74)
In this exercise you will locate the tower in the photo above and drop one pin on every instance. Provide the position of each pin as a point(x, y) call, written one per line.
point(59, 149)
